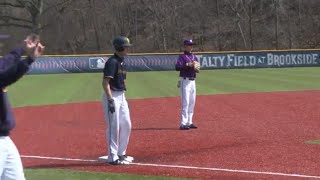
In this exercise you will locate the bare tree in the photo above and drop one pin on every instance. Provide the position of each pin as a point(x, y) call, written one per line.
point(92, 6)
point(276, 22)
point(247, 8)
point(218, 24)
point(71, 26)
point(236, 8)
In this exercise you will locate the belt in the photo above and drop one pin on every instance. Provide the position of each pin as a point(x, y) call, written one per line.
point(190, 78)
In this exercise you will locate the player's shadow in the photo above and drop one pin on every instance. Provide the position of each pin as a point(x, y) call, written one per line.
point(154, 129)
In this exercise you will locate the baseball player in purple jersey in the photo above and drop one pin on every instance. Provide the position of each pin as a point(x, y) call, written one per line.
point(12, 67)
point(186, 65)
point(115, 105)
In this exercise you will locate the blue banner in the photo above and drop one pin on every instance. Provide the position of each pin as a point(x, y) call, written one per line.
point(156, 62)
point(260, 59)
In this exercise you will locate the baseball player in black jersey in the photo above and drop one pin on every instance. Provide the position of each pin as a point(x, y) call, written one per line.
point(115, 105)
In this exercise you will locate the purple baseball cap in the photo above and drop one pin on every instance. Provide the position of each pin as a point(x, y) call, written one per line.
point(188, 42)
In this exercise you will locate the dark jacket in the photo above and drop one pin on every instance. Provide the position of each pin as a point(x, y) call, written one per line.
point(12, 68)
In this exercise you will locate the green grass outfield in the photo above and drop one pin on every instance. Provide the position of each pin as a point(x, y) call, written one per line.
point(82, 87)
point(65, 88)
point(59, 174)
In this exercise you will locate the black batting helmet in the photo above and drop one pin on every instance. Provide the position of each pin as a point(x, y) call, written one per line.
point(120, 42)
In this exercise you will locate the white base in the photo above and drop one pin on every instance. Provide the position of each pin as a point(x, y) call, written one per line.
point(103, 158)
point(129, 159)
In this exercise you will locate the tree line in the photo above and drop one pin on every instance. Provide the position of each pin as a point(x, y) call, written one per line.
point(88, 27)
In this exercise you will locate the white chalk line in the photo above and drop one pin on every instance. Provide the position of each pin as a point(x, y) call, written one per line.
point(181, 167)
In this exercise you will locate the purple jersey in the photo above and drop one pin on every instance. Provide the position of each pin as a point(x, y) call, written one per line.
point(186, 71)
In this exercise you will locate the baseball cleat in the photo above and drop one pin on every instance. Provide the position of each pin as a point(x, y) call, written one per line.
point(126, 158)
point(119, 162)
point(192, 126)
point(184, 127)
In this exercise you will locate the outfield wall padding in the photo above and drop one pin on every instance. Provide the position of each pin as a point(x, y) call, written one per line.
point(156, 62)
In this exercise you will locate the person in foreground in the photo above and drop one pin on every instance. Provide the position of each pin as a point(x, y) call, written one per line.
point(115, 105)
point(12, 68)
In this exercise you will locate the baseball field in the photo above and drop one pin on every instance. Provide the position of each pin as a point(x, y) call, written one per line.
point(253, 124)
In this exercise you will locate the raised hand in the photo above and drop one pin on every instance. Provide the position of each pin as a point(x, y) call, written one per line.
point(39, 50)
point(33, 46)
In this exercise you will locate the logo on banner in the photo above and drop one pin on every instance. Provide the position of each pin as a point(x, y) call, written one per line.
point(97, 62)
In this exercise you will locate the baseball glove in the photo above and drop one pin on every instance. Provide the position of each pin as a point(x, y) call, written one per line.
point(197, 66)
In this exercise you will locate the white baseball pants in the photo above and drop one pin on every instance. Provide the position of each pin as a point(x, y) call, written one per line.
point(119, 125)
point(188, 100)
point(10, 162)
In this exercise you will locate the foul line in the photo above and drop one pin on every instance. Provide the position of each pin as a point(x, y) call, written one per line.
point(182, 167)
